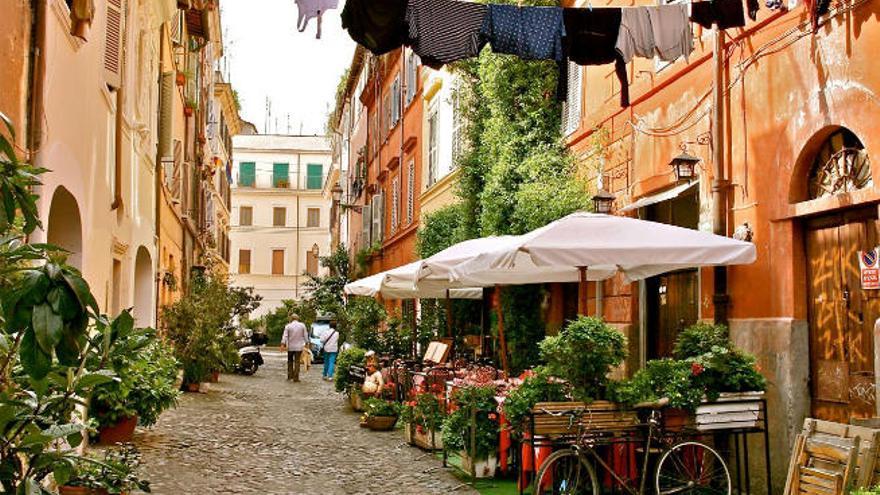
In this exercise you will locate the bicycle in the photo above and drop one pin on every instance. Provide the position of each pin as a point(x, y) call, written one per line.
point(685, 467)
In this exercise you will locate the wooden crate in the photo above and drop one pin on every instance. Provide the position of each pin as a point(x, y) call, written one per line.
point(731, 411)
point(597, 416)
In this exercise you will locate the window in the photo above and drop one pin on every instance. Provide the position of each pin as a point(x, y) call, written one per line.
point(113, 42)
point(395, 102)
point(314, 217)
point(312, 257)
point(279, 216)
point(281, 175)
point(841, 165)
point(277, 262)
point(244, 261)
point(433, 149)
point(410, 191)
point(247, 174)
point(245, 216)
point(412, 71)
point(386, 116)
point(395, 203)
point(314, 176)
point(571, 108)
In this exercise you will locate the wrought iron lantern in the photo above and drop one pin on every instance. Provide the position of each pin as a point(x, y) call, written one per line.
point(685, 166)
point(603, 201)
point(336, 193)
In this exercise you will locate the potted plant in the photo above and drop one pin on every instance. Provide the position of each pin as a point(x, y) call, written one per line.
point(423, 419)
point(538, 386)
point(180, 78)
point(146, 372)
point(189, 108)
point(379, 414)
point(471, 431)
point(116, 472)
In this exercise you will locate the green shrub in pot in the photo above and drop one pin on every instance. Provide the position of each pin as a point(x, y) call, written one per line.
point(538, 387)
point(147, 373)
point(346, 358)
point(473, 402)
point(583, 354)
point(117, 471)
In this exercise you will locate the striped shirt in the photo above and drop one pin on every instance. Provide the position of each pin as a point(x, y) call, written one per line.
point(443, 31)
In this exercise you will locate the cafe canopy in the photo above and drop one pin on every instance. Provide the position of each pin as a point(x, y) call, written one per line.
point(397, 284)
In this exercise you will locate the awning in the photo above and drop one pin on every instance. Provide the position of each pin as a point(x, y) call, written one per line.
point(397, 283)
point(659, 197)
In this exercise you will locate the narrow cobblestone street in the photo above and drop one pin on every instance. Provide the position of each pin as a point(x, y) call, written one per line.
point(261, 434)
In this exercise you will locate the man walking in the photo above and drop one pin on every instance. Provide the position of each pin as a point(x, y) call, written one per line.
point(294, 339)
point(330, 344)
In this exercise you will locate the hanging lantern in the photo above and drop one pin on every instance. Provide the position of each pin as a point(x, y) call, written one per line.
point(685, 166)
point(603, 201)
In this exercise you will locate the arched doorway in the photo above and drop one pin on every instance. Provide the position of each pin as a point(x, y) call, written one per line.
point(143, 288)
point(841, 314)
point(64, 228)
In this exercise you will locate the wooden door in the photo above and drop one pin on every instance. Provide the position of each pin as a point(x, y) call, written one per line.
point(841, 316)
point(673, 301)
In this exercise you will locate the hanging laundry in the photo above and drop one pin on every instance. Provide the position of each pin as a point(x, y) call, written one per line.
point(775, 4)
point(377, 25)
point(532, 33)
point(310, 9)
point(590, 39)
point(443, 31)
point(664, 31)
point(726, 13)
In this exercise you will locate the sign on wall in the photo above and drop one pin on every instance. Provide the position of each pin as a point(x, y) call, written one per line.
point(868, 261)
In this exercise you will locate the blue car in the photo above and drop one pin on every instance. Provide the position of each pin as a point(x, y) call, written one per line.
point(320, 328)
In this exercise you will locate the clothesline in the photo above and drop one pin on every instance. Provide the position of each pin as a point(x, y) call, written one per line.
point(444, 31)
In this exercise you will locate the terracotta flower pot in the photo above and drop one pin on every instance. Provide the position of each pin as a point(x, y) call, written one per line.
point(81, 490)
point(180, 78)
point(215, 376)
point(121, 432)
point(188, 111)
point(193, 386)
point(381, 423)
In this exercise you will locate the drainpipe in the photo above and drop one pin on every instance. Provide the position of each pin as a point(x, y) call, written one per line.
point(38, 77)
point(720, 298)
point(296, 225)
point(157, 179)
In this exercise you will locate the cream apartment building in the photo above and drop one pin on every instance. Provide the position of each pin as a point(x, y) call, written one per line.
point(280, 214)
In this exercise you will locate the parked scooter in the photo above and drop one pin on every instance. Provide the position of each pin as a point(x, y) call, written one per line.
point(249, 355)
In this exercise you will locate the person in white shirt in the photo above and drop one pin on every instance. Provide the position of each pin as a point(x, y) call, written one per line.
point(373, 382)
point(294, 339)
point(330, 345)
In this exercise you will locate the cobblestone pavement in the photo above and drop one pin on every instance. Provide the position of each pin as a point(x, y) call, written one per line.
point(262, 434)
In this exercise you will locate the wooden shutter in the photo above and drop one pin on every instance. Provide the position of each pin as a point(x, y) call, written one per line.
point(312, 262)
point(314, 217)
point(381, 207)
point(277, 262)
point(175, 28)
point(245, 216)
point(166, 112)
point(279, 216)
point(244, 261)
point(366, 222)
point(411, 191)
point(247, 174)
point(281, 175)
point(113, 43)
point(314, 176)
point(571, 114)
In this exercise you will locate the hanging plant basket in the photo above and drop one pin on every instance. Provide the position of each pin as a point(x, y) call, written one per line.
point(121, 432)
point(188, 110)
point(180, 78)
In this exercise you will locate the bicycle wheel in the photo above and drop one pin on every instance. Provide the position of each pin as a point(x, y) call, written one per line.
point(692, 468)
point(566, 473)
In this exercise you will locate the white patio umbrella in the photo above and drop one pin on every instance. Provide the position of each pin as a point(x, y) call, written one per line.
point(397, 284)
point(595, 244)
point(439, 269)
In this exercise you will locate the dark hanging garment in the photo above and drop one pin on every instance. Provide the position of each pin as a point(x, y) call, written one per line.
point(753, 9)
point(377, 25)
point(727, 13)
point(443, 31)
point(590, 39)
point(531, 33)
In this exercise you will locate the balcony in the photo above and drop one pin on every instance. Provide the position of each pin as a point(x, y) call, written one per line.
point(269, 181)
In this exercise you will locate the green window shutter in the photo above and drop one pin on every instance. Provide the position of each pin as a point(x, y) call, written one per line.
point(281, 175)
point(247, 174)
point(314, 176)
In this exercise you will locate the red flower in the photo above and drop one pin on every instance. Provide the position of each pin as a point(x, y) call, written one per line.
point(493, 416)
point(697, 369)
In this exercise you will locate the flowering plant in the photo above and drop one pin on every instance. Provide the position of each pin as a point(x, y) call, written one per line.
point(476, 409)
point(426, 412)
point(379, 407)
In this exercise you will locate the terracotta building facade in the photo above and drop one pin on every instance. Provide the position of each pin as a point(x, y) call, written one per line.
point(789, 158)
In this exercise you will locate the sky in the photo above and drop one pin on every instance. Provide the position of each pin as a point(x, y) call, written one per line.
point(268, 57)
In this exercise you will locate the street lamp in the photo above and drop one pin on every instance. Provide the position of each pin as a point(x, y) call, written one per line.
point(603, 201)
point(684, 166)
point(336, 193)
